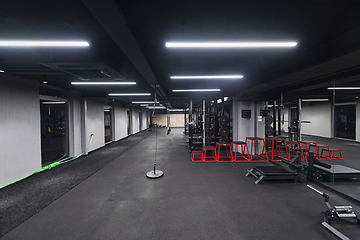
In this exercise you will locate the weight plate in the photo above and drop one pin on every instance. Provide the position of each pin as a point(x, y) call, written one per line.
point(223, 121)
point(269, 131)
point(268, 120)
point(224, 131)
point(268, 143)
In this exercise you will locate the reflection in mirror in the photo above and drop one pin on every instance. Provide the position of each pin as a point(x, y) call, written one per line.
point(346, 151)
point(54, 137)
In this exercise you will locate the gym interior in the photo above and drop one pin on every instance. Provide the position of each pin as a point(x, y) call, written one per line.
point(185, 120)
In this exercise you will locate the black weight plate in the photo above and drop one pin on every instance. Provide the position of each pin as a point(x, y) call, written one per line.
point(269, 131)
point(223, 121)
point(268, 120)
point(224, 131)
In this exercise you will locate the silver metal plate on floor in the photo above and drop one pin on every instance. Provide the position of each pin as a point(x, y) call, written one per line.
point(157, 174)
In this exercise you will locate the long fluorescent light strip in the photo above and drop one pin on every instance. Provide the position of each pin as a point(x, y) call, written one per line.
point(207, 77)
point(129, 94)
point(143, 102)
point(43, 44)
point(196, 90)
point(315, 100)
point(54, 102)
point(343, 88)
point(229, 44)
point(156, 107)
point(101, 83)
point(176, 110)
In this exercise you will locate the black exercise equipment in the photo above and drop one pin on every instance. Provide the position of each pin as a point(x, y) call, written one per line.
point(336, 212)
point(297, 170)
point(223, 121)
point(268, 120)
point(330, 172)
point(271, 173)
point(277, 172)
point(269, 131)
point(224, 131)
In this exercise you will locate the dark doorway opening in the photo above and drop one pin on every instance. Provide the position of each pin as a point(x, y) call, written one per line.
point(345, 121)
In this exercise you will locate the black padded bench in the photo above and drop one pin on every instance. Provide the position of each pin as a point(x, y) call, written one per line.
point(271, 173)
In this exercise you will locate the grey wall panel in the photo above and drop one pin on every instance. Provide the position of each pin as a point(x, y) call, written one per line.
point(144, 123)
point(20, 144)
point(95, 123)
point(120, 122)
point(135, 120)
point(319, 115)
point(246, 126)
point(74, 105)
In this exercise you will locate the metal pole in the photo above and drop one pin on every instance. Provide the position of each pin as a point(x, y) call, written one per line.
point(279, 119)
point(215, 115)
point(190, 124)
point(203, 118)
point(274, 113)
point(299, 119)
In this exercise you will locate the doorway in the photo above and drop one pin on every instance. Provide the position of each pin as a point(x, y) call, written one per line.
point(345, 121)
point(107, 124)
point(54, 134)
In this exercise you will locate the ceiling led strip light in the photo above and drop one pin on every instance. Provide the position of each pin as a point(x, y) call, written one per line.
point(229, 44)
point(43, 44)
point(207, 77)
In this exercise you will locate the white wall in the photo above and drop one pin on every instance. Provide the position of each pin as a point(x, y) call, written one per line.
point(120, 124)
point(135, 120)
point(94, 123)
point(260, 125)
point(319, 115)
point(176, 120)
point(144, 123)
point(20, 144)
point(246, 126)
point(74, 105)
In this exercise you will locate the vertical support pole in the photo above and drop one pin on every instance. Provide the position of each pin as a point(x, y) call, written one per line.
point(215, 114)
point(274, 117)
point(190, 125)
point(283, 112)
point(222, 106)
point(207, 118)
point(299, 120)
point(279, 118)
point(84, 125)
point(185, 120)
point(203, 120)
point(235, 119)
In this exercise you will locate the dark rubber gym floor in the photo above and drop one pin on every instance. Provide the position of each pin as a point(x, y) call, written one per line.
point(191, 201)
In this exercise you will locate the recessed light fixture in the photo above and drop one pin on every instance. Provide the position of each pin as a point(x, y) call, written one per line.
point(45, 82)
point(208, 77)
point(315, 100)
point(176, 110)
point(343, 88)
point(1, 71)
point(143, 102)
point(43, 44)
point(229, 44)
point(101, 83)
point(196, 90)
point(156, 107)
point(54, 102)
point(129, 94)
